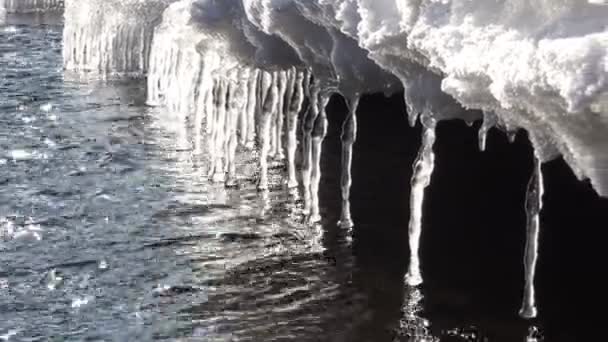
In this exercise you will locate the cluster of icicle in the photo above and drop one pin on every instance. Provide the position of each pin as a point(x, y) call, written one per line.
point(28, 6)
point(244, 70)
point(102, 37)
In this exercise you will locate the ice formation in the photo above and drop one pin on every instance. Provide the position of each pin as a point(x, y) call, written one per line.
point(27, 6)
point(110, 36)
point(244, 70)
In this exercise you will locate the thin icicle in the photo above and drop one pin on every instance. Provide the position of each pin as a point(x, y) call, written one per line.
point(217, 167)
point(252, 106)
point(349, 135)
point(421, 178)
point(534, 205)
point(318, 135)
point(287, 98)
point(209, 105)
point(203, 108)
point(242, 120)
point(235, 107)
point(273, 120)
point(295, 106)
point(268, 99)
point(489, 120)
point(307, 131)
point(277, 132)
point(412, 111)
point(511, 136)
point(210, 109)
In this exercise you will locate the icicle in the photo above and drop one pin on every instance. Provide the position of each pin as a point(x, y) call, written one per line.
point(203, 108)
point(100, 42)
point(421, 178)
point(534, 205)
point(210, 109)
point(307, 129)
point(217, 166)
point(412, 113)
point(242, 120)
point(511, 135)
point(295, 106)
point(211, 126)
point(28, 6)
point(273, 120)
point(198, 126)
point(349, 135)
point(489, 120)
point(210, 105)
point(318, 135)
point(268, 99)
point(278, 133)
point(252, 106)
point(235, 107)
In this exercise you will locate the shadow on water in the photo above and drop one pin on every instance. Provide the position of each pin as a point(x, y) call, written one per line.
point(129, 220)
point(472, 249)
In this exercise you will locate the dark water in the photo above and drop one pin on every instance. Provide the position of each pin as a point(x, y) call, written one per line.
point(109, 230)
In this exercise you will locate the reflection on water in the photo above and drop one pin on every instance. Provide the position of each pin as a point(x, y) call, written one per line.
point(109, 230)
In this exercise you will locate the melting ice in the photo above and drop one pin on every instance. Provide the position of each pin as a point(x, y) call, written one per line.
point(243, 71)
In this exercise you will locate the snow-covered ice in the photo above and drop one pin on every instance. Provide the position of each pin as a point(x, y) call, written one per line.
point(244, 67)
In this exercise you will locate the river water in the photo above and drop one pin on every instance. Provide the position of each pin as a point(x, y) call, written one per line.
point(109, 230)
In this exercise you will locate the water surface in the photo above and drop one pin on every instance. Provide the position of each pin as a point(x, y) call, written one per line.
point(110, 231)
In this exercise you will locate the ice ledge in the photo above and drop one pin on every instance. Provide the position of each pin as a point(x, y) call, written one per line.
point(539, 66)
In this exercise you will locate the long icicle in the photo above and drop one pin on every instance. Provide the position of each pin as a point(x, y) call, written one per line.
point(236, 105)
point(269, 94)
point(421, 178)
point(220, 138)
point(252, 106)
point(277, 134)
point(318, 135)
point(349, 135)
point(307, 128)
point(212, 109)
point(295, 106)
point(534, 205)
point(242, 120)
point(201, 114)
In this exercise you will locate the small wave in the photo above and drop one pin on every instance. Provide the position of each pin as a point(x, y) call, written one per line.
point(10, 29)
point(9, 334)
point(17, 155)
point(173, 290)
point(182, 240)
point(75, 264)
point(80, 302)
point(47, 107)
point(27, 232)
point(239, 237)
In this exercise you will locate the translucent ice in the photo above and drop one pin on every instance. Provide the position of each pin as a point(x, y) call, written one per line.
point(26, 6)
point(110, 36)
